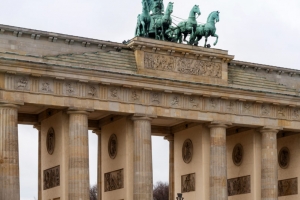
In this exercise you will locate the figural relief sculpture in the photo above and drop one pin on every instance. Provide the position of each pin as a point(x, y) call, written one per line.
point(188, 183)
point(112, 146)
point(239, 185)
point(51, 177)
point(237, 154)
point(187, 151)
point(114, 180)
point(284, 157)
point(288, 187)
point(50, 141)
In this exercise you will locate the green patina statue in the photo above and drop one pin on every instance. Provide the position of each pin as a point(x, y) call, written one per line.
point(164, 23)
point(154, 23)
point(206, 30)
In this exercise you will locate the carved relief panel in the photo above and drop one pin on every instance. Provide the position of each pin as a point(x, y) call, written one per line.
point(174, 100)
point(284, 157)
point(70, 88)
point(51, 177)
point(135, 95)
point(288, 187)
point(194, 102)
point(112, 146)
point(92, 90)
point(183, 65)
point(237, 154)
point(188, 183)
point(46, 85)
point(187, 151)
point(239, 185)
point(22, 83)
point(156, 98)
point(114, 180)
point(50, 141)
point(114, 93)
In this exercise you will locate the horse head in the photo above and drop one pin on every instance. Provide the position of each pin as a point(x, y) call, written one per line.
point(145, 5)
point(196, 10)
point(214, 16)
point(170, 7)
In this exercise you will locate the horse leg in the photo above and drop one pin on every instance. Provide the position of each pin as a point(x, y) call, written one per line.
point(162, 32)
point(217, 37)
point(144, 29)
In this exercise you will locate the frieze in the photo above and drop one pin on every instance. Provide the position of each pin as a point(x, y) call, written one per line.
point(239, 185)
point(51, 177)
point(150, 97)
point(183, 65)
point(114, 180)
point(188, 183)
point(288, 187)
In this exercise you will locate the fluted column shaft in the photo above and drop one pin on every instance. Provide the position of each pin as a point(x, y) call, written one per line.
point(143, 180)
point(99, 169)
point(9, 153)
point(218, 161)
point(38, 127)
point(79, 183)
point(170, 138)
point(269, 169)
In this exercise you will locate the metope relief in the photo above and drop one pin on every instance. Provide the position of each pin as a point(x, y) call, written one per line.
point(265, 110)
point(155, 98)
point(284, 157)
point(22, 83)
point(50, 141)
point(51, 177)
point(175, 100)
point(188, 183)
point(114, 93)
point(187, 151)
point(46, 86)
point(237, 154)
point(239, 185)
point(288, 187)
point(247, 107)
point(92, 91)
point(114, 180)
point(112, 146)
point(135, 95)
point(183, 65)
point(70, 88)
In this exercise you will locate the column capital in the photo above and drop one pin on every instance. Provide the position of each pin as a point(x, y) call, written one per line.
point(223, 124)
point(274, 129)
point(169, 137)
point(143, 117)
point(78, 112)
point(9, 105)
point(97, 131)
point(37, 126)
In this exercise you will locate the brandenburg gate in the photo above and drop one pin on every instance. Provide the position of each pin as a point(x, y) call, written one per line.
point(232, 126)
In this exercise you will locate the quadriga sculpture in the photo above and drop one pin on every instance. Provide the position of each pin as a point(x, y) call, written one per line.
point(187, 27)
point(164, 23)
point(143, 21)
point(206, 30)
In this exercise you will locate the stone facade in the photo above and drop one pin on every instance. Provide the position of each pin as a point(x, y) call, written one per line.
point(70, 85)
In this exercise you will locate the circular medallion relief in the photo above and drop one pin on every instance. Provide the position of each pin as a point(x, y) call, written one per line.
point(237, 154)
point(284, 157)
point(187, 151)
point(112, 146)
point(50, 142)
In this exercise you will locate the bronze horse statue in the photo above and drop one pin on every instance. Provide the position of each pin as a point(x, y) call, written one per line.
point(206, 30)
point(143, 21)
point(163, 23)
point(187, 27)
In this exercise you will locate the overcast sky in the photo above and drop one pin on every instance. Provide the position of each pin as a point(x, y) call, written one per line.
point(259, 31)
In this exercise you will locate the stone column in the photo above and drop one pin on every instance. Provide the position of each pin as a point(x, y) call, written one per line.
point(269, 173)
point(9, 153)
point(79, 182)
point(170, 138)
point(38, 127)
point(99, 169)
point(142, 158)
point(218, 161)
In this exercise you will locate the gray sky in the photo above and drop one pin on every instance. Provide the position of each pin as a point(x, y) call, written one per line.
point(259, 31)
